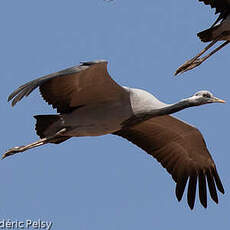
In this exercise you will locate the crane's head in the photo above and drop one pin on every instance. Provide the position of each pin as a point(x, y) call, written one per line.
point(204, 97)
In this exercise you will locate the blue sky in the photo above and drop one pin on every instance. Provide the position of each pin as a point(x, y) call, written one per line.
point(106, 182)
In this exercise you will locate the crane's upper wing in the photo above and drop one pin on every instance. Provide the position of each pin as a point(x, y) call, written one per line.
point(73, 87)
point(221, 5)
point(181, 149)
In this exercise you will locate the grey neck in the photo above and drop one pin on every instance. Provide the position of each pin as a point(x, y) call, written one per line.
point(172, 108)
point(168, 109)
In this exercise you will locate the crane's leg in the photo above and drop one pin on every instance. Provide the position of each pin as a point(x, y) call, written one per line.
point(40, 142)
point(183, 68)
point(196, 61)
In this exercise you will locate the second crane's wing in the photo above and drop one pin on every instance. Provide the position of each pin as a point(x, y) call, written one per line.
point(80, 85)
point(181, 149)
point(221, 5)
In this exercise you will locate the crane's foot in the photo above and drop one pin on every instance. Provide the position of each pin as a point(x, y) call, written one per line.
point(13, 151)
point(43, 141)
point(188, 65)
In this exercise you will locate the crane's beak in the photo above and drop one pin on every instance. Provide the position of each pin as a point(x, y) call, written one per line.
point(218, 100)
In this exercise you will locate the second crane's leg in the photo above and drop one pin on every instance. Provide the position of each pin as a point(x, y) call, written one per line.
point(195, 61)
point(183, 68)
point(200, 60)
point(40, 142)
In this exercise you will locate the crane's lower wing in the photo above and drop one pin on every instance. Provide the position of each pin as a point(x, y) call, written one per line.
point(73, 87)
point(181, 149)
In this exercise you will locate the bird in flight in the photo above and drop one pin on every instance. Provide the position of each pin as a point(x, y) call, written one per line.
point(219, 31)
point(90, 103)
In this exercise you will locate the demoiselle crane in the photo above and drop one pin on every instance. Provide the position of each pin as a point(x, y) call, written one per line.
point(219, 31)
point(91, 103)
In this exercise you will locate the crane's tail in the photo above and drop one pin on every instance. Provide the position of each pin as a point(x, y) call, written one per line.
point(207, 35)
point(43, 128)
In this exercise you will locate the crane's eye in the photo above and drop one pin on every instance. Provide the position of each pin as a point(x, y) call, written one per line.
point(206, 95)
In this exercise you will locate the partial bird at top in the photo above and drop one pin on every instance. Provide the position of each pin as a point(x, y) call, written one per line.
point(219, 31)
point(91, 103)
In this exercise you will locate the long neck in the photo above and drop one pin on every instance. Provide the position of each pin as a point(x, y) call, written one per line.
point(168, 109)
point(172, 108)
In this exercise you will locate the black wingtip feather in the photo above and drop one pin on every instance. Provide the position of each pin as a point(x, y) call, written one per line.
point(180, 187)
point(218, 181)
point(212, 187)
point(12, 95)
point(191, 195)
point(9, 98)
point(17, 91)
point(202, 189)
point(18, 98)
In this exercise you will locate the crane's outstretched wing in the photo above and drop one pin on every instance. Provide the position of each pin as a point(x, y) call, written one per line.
point(181, 149)
point(73, 87)
point(221, 5)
